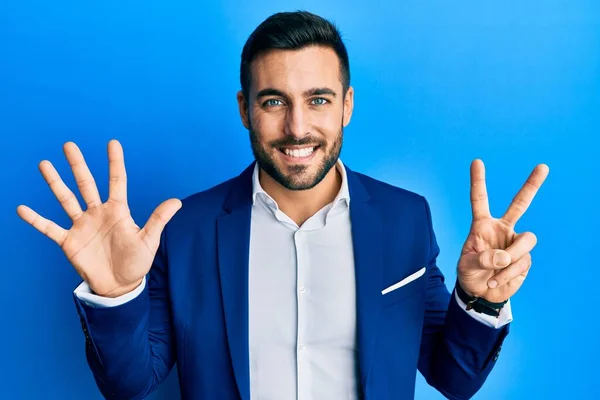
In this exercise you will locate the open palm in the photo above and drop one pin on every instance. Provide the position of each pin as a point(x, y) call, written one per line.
point(105, 245)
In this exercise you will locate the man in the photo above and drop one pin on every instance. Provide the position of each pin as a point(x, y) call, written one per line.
point(299, 278)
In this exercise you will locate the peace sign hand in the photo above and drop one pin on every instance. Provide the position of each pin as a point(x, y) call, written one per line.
point(495, 259)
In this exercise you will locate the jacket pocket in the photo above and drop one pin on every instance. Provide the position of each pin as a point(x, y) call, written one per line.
point(411, 285)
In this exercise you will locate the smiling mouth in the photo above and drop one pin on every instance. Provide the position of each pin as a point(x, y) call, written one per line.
point(298, 152)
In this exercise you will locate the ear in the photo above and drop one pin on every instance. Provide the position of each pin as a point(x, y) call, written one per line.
point(243, 108)
point(348, 106)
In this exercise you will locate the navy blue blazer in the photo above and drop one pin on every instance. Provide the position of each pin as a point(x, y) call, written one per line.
point(194, 308)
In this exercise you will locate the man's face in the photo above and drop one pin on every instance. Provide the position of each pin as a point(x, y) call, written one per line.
point(295, 112)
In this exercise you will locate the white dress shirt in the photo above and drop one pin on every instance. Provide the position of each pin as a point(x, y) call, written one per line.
point(302, 301)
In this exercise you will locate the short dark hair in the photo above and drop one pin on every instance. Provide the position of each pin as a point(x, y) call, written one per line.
point(293, 31)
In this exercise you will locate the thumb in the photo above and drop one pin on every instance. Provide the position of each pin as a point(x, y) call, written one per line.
point(491, 259)
point(159, 219)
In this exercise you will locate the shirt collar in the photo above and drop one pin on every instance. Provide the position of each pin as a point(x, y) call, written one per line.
point(342, 196)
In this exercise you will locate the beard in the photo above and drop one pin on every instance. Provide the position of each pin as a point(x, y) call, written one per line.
point(296, 177)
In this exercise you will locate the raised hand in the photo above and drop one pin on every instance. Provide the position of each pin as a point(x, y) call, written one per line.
point(104, 244)
point(495, 259)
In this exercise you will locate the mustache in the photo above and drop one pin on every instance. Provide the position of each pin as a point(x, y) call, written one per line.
point(291, 141)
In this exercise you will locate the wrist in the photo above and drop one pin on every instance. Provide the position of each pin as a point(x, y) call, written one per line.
point(478, 304)
point(462, 289)
point(120, 291)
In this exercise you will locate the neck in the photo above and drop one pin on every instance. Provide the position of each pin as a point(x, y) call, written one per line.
point(300, 205)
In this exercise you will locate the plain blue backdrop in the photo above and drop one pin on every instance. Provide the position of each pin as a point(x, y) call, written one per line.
point(437, 84)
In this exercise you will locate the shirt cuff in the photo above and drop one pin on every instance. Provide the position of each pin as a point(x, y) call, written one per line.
point(504, 318)
point(85, 294)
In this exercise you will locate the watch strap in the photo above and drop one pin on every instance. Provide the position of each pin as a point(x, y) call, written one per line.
point(479, 304)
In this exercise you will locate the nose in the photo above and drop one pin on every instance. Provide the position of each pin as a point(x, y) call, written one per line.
point(296, 123)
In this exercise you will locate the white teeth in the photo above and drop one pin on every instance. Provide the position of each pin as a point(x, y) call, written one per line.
point(299, 153)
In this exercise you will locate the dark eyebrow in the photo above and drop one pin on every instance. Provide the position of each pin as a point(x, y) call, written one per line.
point(319, 92)
point(308, 93)
point(270, 92)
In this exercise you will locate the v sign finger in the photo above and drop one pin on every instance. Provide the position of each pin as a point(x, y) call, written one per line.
point(479, 198)
point(523, 199)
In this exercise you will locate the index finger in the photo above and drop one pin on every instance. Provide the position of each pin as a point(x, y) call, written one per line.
point(479, 199)
point(523, 198)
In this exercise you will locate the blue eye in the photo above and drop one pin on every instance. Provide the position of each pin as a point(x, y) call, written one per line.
point(272, 103)
point(320, 101)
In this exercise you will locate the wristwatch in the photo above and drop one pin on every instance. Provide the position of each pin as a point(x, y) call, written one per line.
point(479, 304)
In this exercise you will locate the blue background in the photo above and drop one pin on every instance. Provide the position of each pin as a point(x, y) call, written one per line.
point(437, 84)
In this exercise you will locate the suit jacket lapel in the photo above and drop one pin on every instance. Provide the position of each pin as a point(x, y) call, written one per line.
point(233, 241)
point(368, 265)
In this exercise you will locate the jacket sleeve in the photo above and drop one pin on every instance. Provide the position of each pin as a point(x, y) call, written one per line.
point(457, 352)
point(130, 347)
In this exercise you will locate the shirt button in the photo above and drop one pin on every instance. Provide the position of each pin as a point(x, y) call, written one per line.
point(301, 347)
point(302, 289)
